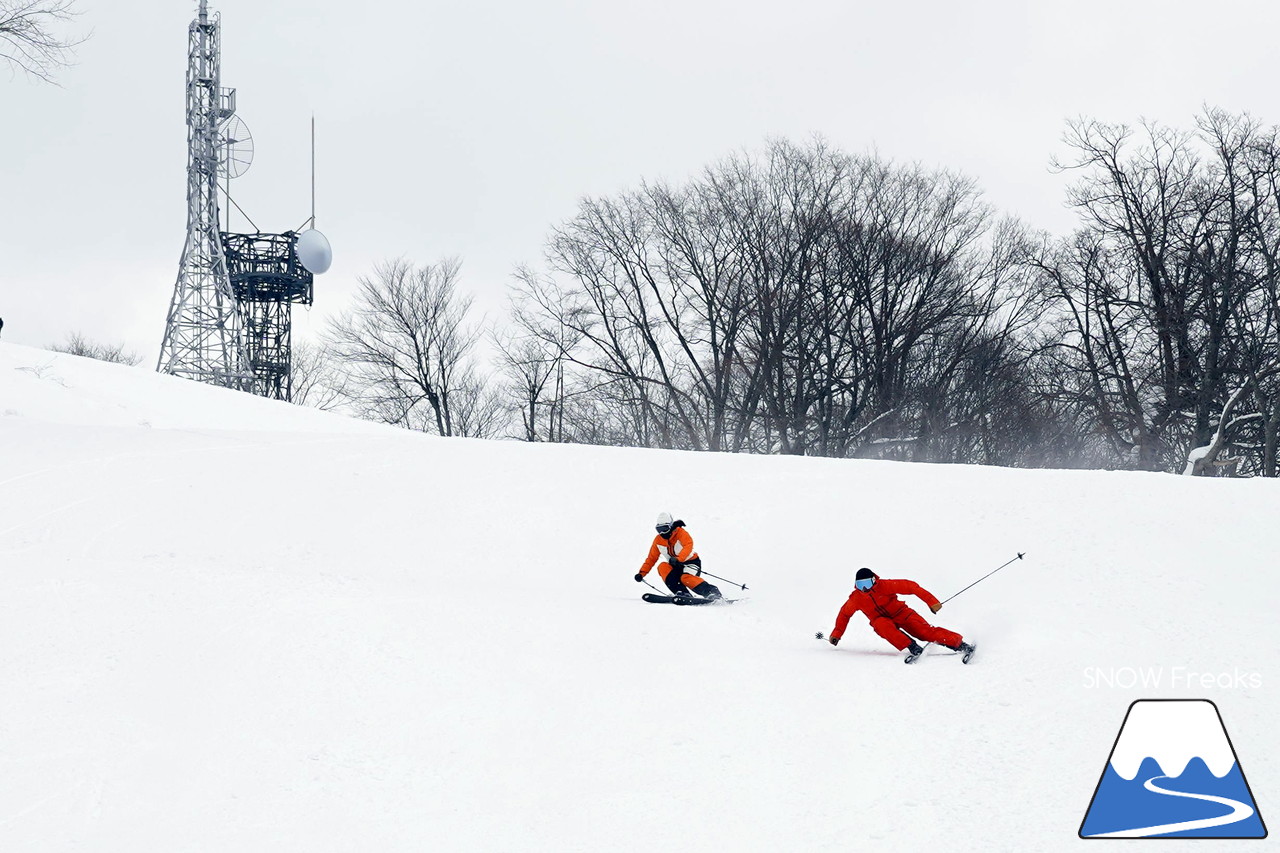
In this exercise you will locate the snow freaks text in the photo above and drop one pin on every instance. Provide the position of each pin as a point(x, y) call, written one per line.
point(1171, 677)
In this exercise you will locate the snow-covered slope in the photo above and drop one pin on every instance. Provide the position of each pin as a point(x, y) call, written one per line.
point(50, 387)
point(232, 624)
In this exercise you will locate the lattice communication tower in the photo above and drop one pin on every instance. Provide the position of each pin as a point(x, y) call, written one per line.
point(229, 322)
point(202, 333)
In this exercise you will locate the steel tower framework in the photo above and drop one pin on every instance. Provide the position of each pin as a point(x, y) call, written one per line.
point(267, 278)
point(202, 337)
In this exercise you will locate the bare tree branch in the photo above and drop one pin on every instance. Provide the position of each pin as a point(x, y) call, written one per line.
point(78, 344)
point(28, 38)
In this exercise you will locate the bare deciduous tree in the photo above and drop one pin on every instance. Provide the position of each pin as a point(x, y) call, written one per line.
point(803, 302)
point(314, 378)
point(533, 357)
point(1164, 333)
point(406, 352)
point(814, 302)
point(78, 344)
point(28, 38)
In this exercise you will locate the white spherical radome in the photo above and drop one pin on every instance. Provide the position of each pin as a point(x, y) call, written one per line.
point(314, 251)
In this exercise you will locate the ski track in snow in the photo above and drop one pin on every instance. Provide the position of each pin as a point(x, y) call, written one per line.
point(42, 802)
point(1240, 811)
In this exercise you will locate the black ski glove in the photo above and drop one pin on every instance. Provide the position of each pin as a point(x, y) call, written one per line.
point(639, 577)
point(835, 641)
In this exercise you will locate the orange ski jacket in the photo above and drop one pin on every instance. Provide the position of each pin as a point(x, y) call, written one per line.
point(881, 601)
point(677, 544)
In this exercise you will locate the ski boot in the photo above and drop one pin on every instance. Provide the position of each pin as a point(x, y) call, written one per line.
point(708, 591)
point(913, 653)
point(966, 650)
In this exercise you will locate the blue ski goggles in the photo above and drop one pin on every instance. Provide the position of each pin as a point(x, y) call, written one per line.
point(865, 583)
point(663, 529)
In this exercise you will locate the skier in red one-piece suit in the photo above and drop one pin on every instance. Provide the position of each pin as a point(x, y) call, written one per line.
point(892, 619)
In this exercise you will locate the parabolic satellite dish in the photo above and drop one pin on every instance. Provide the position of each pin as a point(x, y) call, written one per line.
point(314, 252)
point(235, 149)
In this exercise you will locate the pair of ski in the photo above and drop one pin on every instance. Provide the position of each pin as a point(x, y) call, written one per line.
point(910, 658)
point(685, 600)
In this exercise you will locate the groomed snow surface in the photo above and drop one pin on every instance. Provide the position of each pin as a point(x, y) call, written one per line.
point(230, 624)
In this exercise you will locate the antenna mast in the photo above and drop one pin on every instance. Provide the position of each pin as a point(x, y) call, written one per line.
point(313, 170)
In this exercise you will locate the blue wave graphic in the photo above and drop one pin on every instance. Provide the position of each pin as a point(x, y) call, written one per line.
point(1122, 805)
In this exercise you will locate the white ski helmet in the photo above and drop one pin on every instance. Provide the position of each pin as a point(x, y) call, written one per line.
point(663, 524)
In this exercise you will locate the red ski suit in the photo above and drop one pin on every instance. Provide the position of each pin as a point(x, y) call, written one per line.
point(891, 618)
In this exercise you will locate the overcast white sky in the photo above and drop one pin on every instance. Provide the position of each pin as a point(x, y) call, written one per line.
point(470, 128)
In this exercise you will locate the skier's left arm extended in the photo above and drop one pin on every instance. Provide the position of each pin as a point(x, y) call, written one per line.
point(905, 587)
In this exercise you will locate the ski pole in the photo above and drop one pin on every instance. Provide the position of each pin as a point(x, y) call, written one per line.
point(821, 636)
point(726, 580)
point(984, 577)
point(652, 587)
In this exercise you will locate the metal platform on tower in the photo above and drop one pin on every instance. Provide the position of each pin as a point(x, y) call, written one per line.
point(267, 279)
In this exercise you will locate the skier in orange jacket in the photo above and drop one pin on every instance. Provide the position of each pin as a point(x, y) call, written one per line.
point(674, 546)
point(892, 619)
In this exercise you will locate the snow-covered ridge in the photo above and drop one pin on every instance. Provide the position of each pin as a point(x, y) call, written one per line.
point(1172, 733)
point(54, 387)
